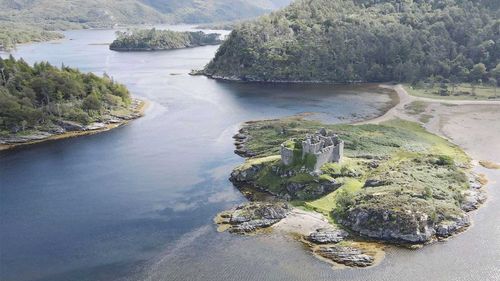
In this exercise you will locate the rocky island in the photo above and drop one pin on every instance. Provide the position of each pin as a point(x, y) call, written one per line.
point(44, 102)
point(392, 183)
point(157, 40)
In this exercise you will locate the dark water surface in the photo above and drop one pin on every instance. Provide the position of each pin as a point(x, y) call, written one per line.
point(137, 203)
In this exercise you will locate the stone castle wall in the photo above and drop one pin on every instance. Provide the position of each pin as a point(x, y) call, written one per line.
point(325, 147)
point(286, 155)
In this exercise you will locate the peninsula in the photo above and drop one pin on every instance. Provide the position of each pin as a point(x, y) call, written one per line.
point(157, 40)
point(346, 41)
point(44, 102)
point(388, 180)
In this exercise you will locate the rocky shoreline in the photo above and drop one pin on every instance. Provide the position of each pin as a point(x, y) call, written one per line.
point(327, 242)
point(67, 129)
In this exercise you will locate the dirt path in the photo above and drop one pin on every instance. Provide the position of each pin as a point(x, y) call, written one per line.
point(473, 125)
point(398, 111)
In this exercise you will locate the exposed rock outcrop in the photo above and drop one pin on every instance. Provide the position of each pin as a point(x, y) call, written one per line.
point(346, 255)
point(404, 226)
point(475, 196)
point(450, 227)
point(72, 128)
point(327, 236)
point(240, 140)
point(249, 217)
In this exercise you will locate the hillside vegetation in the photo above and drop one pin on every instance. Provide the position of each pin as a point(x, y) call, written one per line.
point(364, 40)
point(153, 39)
point(42, 96)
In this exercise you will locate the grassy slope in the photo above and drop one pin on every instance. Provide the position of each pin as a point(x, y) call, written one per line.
point(462, 91)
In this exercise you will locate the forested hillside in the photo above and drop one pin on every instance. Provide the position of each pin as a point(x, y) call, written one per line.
point(42, 96)
point(365, 40)
point(153, 40)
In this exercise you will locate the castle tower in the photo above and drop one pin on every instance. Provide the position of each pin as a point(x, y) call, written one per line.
point(322, 147)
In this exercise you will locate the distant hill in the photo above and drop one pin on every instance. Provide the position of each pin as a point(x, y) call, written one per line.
point(62, 14)
point(365, 40)
point(203, 11)
point(27, 20)
point(57, 14)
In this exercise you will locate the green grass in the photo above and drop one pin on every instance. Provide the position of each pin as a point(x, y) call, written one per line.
point(327, 204)
point(462, 92)
point(436, 144)
point(416, 107)
point(425, 118)
point(258, 161)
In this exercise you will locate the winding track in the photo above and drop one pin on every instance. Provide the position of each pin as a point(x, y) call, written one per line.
point(398, 111)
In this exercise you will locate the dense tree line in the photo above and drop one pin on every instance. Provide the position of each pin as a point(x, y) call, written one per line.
point(38, 96)
point(366, 40)
point(153, 39)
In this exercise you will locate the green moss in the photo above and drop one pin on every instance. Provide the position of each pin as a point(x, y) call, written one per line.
point(270, 181)
point(258, 161)
point(326, 178)
point(301, 178)
point(290, 144)
point(310, 161)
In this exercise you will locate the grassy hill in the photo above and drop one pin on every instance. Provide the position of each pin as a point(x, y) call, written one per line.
point(366, 40)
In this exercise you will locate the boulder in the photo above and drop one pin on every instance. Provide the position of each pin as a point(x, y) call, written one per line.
point(251, 216)
point(375, 183)
point(473, 198)
point(95, 126)
point(450, 227)
point(70, 126)
point(239, 176)
point(240, 136)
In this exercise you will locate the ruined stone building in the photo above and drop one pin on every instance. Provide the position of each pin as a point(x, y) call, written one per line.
point(325, 147)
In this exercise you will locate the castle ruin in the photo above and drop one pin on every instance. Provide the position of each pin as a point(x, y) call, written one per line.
point(323, 146)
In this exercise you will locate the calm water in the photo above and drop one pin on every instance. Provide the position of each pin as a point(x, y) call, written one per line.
point(137, 203)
